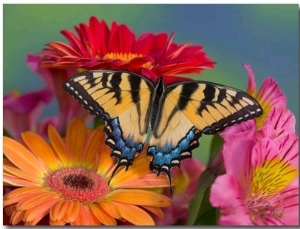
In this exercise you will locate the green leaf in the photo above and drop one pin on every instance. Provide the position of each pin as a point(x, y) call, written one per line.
point(205, 181)
point(215, 146)
point(208, 215)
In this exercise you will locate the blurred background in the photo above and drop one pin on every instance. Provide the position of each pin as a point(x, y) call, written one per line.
point(264, 36)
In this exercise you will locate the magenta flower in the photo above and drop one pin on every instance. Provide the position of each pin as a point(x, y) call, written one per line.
point(261, 179)
point(185, 180)
point(22, 112)
point(54, 78)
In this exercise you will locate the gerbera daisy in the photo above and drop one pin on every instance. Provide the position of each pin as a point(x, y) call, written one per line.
point(98, 47)
point(67, 179)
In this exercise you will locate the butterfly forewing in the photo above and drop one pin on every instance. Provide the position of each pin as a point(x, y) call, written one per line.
point(213, 107)
point(120, 98)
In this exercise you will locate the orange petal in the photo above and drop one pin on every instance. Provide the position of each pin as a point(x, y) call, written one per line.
point(57, 144)
point(83, 217)
point(72, 212)
point(17, 217)
point(75, 139)
point(134, 214)
point(36, 200)
point(19, 194)
point(155, 210)
point(40, 148)
point(16, 181)
point(22, 157)
point(106, 162)
point(35, 214)
point(57, 223)
point(110, 209)
point(59, 210)
point(94, 220)
point(12, 171)
point(150, 180)
point(139, 197)
point(102, 215)
point(93, 146)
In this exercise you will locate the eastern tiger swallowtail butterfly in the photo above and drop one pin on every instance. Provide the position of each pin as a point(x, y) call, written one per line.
point(177, 114)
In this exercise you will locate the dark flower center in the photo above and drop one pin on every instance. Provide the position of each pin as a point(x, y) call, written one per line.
point(78, 181)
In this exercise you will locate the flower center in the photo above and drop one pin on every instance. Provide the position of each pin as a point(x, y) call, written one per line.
point(264, 199)
point(78, 184)
point(126, 57)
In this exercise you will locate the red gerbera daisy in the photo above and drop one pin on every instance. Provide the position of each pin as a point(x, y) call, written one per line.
point(98, 47)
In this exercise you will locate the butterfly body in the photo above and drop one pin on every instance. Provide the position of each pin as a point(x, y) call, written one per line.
point(177, 114)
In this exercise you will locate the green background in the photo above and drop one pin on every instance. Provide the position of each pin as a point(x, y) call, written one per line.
point(264, 36)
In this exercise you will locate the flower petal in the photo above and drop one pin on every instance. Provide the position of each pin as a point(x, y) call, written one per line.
point(58, 211)
point(93, 147)
point(17, 195)
point(72, 212)
point(58, 145)
point(41, 148)
point(251, 88)
point(75, 139)
point(35, 214)
point(36, 200)
point(104, 218)
point(230, 202)
point(22, 157)
point(139, 197)
point(14, 173)
point(110, 209)
point(17, 217)
point(155, 210)
point(83, 218)
point(134, 215)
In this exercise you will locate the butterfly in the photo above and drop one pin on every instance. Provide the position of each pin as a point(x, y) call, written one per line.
point(174, 115)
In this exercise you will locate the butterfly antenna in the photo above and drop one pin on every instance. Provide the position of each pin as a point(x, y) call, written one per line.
point(120, 164)
point(113, 173)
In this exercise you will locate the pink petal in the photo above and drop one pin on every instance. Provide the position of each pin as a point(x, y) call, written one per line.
point(237, 148)
point(233, 210)
point(279, 120)
point(251, 88)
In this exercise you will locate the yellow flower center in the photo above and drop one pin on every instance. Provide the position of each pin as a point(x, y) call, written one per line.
point(266, 107)
point(78, 184)
point(126, 57)
point(269, 179)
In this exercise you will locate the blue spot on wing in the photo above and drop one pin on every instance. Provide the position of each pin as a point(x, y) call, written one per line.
point(168, 156)
point(124, 149)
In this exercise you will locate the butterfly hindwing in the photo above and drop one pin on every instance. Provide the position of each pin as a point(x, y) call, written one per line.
point(189, 109)
point(122, 100)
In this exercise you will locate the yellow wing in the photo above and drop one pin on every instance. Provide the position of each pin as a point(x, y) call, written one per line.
point(123, 100)
point(189, 109)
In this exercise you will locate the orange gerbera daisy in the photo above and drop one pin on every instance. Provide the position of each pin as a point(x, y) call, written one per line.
point(67, 179)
